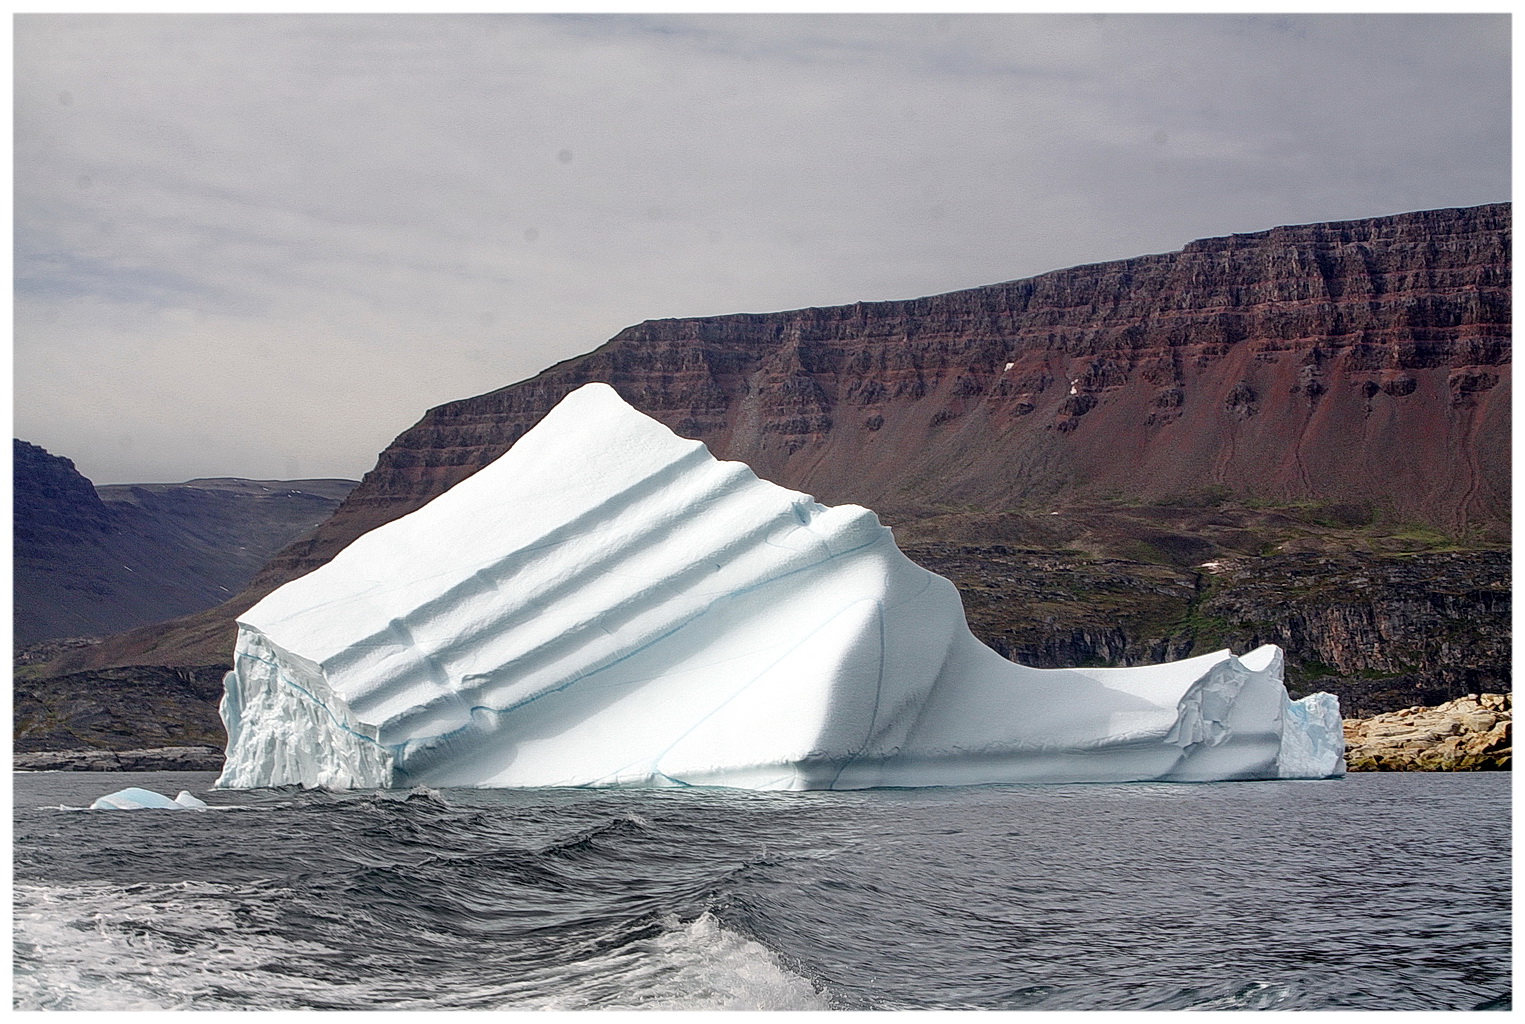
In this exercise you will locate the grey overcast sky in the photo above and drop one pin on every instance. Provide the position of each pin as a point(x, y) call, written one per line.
point(263, 245)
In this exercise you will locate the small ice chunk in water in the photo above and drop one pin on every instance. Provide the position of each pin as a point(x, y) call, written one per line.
point(135, 799)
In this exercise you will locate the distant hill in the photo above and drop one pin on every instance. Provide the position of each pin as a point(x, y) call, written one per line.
point(93, 561)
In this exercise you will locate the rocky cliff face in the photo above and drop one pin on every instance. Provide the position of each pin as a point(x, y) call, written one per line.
point(1363, 364)
point(119, 709)
point(1380, 631)
point(1364, 361)
point(51, 501)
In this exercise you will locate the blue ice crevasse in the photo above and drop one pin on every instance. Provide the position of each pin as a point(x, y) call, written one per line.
point(607, 604)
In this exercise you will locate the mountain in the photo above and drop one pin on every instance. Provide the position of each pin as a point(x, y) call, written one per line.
point(96, 560)
point(1329, 388)
point(1364, 361)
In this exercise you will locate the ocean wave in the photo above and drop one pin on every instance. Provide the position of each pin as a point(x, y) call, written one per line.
point(188, 945)
point(197, 945)
point(694, 965)
point(1068, 898)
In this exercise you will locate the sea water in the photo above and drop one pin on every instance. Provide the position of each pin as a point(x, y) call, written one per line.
point(1369, 892)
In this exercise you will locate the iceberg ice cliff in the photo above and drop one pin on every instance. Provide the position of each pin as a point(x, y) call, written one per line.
point(607, 604)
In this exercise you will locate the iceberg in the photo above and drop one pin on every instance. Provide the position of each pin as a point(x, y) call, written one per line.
point(607, 604)
point(134, 799)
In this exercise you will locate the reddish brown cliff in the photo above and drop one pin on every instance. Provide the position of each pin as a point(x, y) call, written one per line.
point(1362, 362)
point(1366, 360)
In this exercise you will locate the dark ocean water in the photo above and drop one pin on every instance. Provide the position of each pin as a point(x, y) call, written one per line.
point(1371, 892)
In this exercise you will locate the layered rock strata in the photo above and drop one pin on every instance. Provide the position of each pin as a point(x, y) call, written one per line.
point(1364, 361)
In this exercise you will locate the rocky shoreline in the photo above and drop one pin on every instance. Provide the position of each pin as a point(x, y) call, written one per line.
point(156, 759)
point(1467, 734)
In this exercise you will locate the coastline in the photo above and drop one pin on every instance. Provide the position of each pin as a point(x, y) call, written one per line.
point(154, 759)
point(1468, 734)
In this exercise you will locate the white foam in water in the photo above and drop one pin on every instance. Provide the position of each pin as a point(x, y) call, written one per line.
point(85, 947)
point(697, 965)
point(183, 946)
point(607, 604)
point(1256, 995)
point(202, 946)
point(721, 970)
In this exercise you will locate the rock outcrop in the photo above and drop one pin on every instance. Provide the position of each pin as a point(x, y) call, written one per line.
point(1378, 631)
point(129, 708)
point(1468, 734)
point(1363, 364)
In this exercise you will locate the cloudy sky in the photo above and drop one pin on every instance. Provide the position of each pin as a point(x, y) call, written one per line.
point(263, 246)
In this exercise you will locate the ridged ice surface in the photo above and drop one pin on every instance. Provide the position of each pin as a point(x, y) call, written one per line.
point(607, 604)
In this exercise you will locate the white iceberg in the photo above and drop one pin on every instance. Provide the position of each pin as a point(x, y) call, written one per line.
point(607, 604)
point(134, 799)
